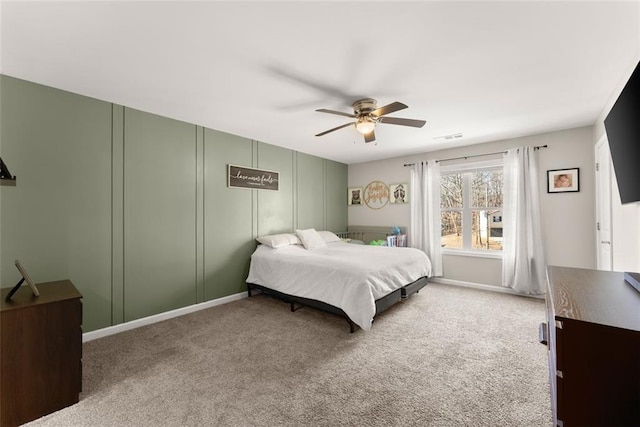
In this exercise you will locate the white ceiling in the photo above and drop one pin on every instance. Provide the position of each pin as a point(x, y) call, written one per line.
point(491, 70)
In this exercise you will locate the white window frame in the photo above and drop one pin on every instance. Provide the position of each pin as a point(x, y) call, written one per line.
point(466, 169)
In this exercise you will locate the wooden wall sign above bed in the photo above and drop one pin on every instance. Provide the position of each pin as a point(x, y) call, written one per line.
point(244, 177)
point(376, 195)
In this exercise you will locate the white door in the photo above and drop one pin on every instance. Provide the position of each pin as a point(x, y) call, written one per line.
point(603, 204)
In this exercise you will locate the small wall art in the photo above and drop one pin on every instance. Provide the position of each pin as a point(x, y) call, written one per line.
point(563, 180)
point(354, 196)
point(399, 193)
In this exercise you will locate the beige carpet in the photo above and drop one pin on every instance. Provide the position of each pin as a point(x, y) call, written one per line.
point(448, 356)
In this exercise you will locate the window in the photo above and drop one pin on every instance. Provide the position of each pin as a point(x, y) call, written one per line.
point(471, 207)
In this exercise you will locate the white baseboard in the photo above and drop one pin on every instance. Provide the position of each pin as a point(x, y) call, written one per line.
point(112, 330)
point(116, 329)
point(481, 286)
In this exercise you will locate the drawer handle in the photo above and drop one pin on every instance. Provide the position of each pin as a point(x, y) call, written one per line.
point(542, 334)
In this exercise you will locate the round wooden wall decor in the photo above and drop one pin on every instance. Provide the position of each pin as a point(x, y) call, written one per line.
point(376, 195)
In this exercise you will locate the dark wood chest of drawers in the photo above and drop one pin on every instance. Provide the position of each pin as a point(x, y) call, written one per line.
point(41, 351)
point(593, 337)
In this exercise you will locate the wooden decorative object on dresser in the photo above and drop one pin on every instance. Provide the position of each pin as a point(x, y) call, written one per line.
point(41, 351)
point(593, 338)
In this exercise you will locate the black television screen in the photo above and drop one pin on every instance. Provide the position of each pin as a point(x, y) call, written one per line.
point(623, 132)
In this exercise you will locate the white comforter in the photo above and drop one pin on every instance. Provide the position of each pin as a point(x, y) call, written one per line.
point(350, 277)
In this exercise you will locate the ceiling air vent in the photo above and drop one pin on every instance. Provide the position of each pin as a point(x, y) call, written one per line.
point(452, 136)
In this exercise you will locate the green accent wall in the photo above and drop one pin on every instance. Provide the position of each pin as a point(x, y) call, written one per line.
point(134, 208)
point(275, 208)
point(159, 214)
point(228, 216)
point(310, 192)
point(334, 196)
point(57, 219)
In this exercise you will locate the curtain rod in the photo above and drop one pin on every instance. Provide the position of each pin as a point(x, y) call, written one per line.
point(537, 147)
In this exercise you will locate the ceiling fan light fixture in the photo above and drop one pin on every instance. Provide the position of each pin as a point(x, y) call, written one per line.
point(365, 125)
point(367, 115)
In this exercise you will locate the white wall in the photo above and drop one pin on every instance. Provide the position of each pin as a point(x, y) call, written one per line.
point(389, 171)
point(625, 219)
point(568, 219)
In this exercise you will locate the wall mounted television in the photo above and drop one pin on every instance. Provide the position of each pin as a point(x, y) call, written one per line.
point(623, 132)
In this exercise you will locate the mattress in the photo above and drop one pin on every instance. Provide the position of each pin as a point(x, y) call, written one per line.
point(350, 277)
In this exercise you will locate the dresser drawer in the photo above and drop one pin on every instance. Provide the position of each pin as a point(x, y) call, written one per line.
point(559, 398)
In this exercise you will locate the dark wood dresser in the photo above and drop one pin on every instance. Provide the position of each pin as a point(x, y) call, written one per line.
point(593, 338)
point(41, 351)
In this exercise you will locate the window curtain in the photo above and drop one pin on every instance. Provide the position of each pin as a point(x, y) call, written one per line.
point(523, 263)
point(425, 212)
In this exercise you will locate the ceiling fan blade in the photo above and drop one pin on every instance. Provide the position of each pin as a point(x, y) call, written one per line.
point(403, 122)
point(370, 137)
point(388, 109)
point(331, 130)
point(340, 113)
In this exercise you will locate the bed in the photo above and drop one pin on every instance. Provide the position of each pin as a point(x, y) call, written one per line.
point(355, 281)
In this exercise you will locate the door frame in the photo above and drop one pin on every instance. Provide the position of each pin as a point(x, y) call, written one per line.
point(603, 201)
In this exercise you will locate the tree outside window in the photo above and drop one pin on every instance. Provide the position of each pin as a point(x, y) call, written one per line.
point(471, 208)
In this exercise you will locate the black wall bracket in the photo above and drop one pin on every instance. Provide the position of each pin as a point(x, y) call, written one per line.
point(5, 176)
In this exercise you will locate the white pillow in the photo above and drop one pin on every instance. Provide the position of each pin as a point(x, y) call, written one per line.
point(311, 239)
point(329, 237)
point(279, 240)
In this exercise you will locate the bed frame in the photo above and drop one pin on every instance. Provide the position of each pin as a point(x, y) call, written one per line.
point(382, 304)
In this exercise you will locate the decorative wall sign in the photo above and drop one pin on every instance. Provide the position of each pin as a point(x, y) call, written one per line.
point(563, 180)
point(399, 193)
point(376, 195)
point(259, 179)
point(354, 196)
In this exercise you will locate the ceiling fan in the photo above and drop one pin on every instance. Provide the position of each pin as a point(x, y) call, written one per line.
point(367, 115)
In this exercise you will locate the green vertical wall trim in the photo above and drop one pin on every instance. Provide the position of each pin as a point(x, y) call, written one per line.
point(117, 214)
point(57, 220)
point(160, 217)
point(199, 165)
point(255, 207)
point(294, 189)
point(229, 218)
point(324, 193)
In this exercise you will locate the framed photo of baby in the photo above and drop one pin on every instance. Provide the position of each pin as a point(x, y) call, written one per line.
point(563, 180)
